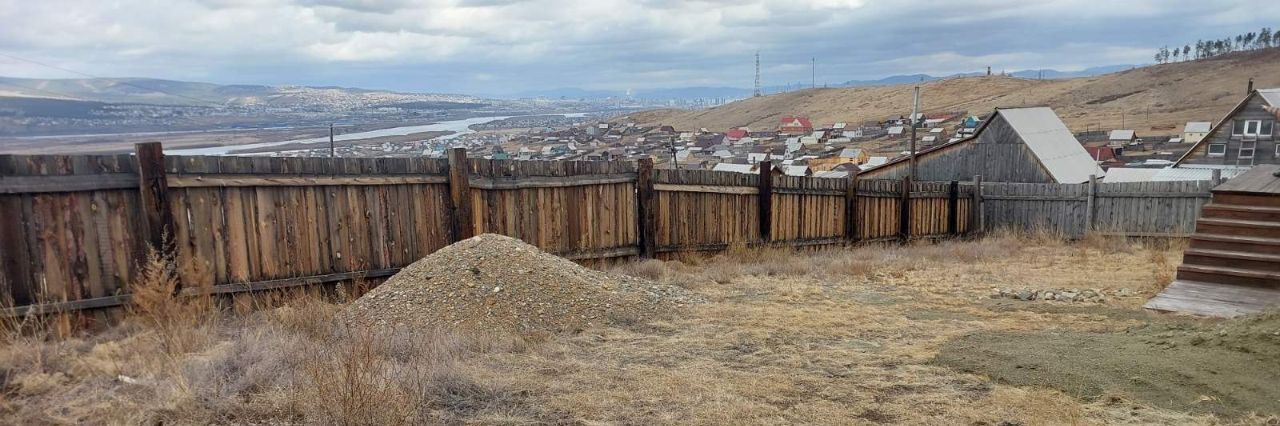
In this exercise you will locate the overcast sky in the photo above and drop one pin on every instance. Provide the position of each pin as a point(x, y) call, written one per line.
point(504, 46)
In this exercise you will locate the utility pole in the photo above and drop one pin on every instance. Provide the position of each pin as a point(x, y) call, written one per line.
point(333, 152)
point(757, 74)
point(674, 161)
point(915, 108)
point(813, 73)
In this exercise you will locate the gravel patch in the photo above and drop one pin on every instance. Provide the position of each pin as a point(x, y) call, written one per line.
point(497, 283)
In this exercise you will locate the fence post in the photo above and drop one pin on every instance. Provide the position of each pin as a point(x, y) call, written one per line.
point(977, 217)
point(153, 188)
point(645, 206)
point(904, 219)
point(851, 207)
point(1089, 203)
point(1216, 177)
point(460, 194)
point(953, 205)
point(765, 200)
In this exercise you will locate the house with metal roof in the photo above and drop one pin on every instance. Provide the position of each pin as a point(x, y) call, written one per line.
point(1194, 131)
point(1121, 138)
point(1013, 145)
point(1243, 138)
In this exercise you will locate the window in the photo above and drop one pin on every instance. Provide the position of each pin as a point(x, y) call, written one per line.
point(1217, 149)
point(1278, 150)
point(1237, 128)
point(1251, 127)
point(1266, 128)
point(1247, 148)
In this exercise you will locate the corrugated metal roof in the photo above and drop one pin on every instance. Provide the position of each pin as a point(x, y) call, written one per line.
point(1121, 135)
point(876, 161)
point(1124, 174)
point(1197, 127)
point(1051, 141)
point(831, 174)
point(727, 167)
point(793, 170)
point(1121, 174)
point(1272, 96)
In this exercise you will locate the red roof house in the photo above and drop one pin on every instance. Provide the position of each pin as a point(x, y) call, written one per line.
point(796, 125)
point(735, 134)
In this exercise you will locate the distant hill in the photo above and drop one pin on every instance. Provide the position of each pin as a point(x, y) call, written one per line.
point(170, 92)
point(1038, 73)
point(1155, 99)
point(702, 92)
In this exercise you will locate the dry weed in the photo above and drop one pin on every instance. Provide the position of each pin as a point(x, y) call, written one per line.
point(832, 336)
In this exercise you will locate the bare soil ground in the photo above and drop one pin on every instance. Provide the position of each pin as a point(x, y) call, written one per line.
point(1154, 100)
point(832, 336)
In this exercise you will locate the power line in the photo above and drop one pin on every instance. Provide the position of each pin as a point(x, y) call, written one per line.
point(62, 95)
point(119, 81)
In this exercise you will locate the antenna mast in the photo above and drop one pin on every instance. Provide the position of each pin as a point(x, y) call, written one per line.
point(757, 92)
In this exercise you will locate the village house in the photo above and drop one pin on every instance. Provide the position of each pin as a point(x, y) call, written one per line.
point(1015, 145)
point(1243, 138)
point(1195, 131)
point(1121, 138)
point(795, 125)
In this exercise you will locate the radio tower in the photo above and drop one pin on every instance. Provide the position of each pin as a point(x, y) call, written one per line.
point(757, 92)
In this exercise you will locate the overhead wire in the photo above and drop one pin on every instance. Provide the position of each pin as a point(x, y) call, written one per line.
point(119, 81)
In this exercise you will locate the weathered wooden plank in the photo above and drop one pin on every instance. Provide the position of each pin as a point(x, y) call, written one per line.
point(525, 182)
point(710, 189)
point(67, 183)
point(236, 180)
point(460, 194)
point(765, 203)
point(646, 205)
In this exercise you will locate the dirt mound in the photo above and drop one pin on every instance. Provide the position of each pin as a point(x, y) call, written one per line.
point(493, 282)
point(1226, 368)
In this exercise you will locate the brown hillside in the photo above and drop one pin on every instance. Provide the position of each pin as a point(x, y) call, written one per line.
point(1155, 99)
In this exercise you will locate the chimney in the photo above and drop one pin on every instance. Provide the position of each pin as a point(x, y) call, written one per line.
point(1250, 87)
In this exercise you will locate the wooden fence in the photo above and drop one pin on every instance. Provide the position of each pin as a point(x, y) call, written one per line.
point(1138, 209)
point(74, 228)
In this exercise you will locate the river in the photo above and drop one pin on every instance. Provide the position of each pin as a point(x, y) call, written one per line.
point(458, 127)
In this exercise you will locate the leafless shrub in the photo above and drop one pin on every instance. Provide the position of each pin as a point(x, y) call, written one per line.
point(179, 321)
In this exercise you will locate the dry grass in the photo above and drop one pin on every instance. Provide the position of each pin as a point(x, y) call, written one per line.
point(1157, 99)
point(817, 336)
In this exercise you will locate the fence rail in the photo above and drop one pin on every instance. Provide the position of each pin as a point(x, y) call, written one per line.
point(75, 228)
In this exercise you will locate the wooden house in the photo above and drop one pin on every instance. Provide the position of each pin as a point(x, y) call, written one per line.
point(1245, 137)
point(1014, 145)
point(1232, 265)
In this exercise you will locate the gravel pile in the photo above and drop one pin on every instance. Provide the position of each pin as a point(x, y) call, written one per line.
point(493, 282)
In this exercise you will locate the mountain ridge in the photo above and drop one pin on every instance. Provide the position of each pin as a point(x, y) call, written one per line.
point(1155, 99)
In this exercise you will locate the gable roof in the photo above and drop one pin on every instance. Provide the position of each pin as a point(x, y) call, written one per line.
point(797, 121)
point(1121, 135)
point(1270, 96)
point(1055, 148)
point(1197, 127)
point(1054, 145)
